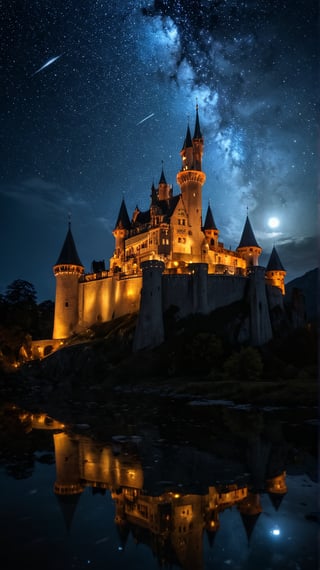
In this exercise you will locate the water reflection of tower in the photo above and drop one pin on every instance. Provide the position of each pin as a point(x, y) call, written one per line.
point(171, 524)
point(187, 530)
point(276, 487)
point(250, 509)
point(68, 480)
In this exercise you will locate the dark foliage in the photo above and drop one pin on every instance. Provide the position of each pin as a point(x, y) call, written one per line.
point(21, 319)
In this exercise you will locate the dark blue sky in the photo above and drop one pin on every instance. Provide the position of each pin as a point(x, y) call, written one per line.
point(74, 138)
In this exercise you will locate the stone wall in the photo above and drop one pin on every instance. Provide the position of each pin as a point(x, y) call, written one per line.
point(201, 293)
point(102, 300)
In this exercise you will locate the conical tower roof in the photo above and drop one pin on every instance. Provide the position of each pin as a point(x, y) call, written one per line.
point(153, 194)
point(69, 254)
point(249, 522)
point(276, 499)
point(123, 530)
point(211, 535)
point(123, 221)
point(248, 238)
point(197, 130)
point(209, 223)
point(68, 505)
point(162, 177)
point(188, 140)
point(274, 263)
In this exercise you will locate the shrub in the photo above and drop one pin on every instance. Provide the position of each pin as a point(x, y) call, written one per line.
point(244, 365)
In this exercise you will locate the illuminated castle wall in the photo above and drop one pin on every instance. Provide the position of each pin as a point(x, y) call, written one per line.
point(168, 256)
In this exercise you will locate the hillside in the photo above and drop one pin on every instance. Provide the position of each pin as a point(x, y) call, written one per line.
point(309, 285)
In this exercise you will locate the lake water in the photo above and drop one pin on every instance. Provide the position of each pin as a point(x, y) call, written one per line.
point(145, 500)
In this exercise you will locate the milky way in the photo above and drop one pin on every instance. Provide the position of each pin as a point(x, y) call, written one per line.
point(97, 124)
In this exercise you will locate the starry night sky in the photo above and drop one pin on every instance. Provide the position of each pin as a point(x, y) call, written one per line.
point(95, 124)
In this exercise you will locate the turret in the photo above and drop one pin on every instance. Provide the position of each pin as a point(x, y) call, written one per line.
point(250, 510)
point(191, 179)
point(120, 231)
point(67, 270)
point(248, 247)
point(197, 142)
point(275, 272)
point(154, 206)
point(150, 329)
point(153, 195)
point(164, 189)
point(210, 230)
point(186, 152)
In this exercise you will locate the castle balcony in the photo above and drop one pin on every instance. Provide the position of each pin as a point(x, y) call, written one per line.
point(139, 230)
point(223, 269)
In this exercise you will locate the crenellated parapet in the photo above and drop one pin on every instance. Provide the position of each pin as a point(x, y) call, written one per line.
point(187, 176)
point(68, 269)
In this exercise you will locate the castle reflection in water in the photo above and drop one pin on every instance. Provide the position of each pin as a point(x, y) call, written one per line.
point(171, 523)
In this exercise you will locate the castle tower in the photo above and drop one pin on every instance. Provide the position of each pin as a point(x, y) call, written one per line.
point(275, 272)
point(149, 330)
point(191, 179)
point(197, 143)
point(164, 189)
point(248, 247)
point(67, 271)
point(260, 324)
point(210, 230)
point(120, 231)
point(155, 211)
point(200, 287)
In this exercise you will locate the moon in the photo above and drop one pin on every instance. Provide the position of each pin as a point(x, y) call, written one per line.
point(273, 222)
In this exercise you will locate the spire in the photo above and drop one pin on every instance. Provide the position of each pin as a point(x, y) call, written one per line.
point(69, 254)
point(123, 221)
point(68, 505)
point(123, 530)
point(249, 522)
point(197, 130)
point(209, 223)
point(248, 238)
point(153, 195)
point(274, 263)
point(188, 140)
point(211, 535)
point(276, 499)
point(162, 177)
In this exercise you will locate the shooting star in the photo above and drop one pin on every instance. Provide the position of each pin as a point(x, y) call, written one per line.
point(49, 62)
point(145, 119)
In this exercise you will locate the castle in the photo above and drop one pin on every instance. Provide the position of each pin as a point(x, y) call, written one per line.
point(167, 256)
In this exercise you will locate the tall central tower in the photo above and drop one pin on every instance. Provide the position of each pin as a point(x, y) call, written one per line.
point(191, 179)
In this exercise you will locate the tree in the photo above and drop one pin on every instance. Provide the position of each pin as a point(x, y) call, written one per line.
point(20, 292)
point(244, 365)
point(45, 319)
point(21, 303)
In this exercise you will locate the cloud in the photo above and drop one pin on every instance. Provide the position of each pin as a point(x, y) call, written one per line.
point(43, 196)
